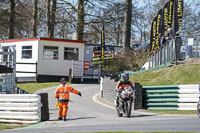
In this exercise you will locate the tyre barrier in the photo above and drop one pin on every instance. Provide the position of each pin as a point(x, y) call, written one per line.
point(20, 108)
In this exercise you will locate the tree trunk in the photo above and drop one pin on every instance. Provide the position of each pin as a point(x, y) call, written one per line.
point(11, 19)
point(127, 26)
point(35, 17)
point(53, 17)
point(80, 23)
point(145, 40)
point(48, 15)
point(141, 33)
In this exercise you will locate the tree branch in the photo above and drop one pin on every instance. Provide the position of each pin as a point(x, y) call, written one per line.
point(69, 4)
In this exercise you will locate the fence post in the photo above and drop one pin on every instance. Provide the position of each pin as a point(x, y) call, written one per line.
point(155, 59)
point(101, 87)
point(36, 70)
point(161, 56)
point(70, 75)
point(178, 43)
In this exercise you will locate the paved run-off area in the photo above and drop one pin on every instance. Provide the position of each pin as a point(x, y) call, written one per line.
point(86, 115)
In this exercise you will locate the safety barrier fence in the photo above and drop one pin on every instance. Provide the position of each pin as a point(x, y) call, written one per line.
point(20, 108)
point(180, 97)
point(176, 97)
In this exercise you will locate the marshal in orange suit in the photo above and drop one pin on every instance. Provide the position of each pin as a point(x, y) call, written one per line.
point(62, 93)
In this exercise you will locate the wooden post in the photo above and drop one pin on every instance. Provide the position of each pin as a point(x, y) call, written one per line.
point(36, 72)
point(70, 75)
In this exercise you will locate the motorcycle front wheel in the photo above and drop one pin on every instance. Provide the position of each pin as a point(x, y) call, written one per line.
point(128, 109)
point(198, 109)
point(119, 114)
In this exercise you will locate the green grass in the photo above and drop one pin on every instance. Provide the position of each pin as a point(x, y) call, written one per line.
point(174, 112)
point(7, 126)
point(176, 75)
point(144, 132)
point(32, 87)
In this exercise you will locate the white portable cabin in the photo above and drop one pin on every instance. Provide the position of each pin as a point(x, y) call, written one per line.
point(45, 59)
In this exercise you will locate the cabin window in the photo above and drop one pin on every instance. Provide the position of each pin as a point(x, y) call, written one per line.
point(50, 52)
point(26, 52)
point(71, 53)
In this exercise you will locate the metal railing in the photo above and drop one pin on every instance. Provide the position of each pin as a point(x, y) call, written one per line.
point(79, 71)
point(177, 49)
point(8, 80)
point(164, 55)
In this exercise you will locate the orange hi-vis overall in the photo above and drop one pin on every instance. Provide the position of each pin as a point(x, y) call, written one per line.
point(62, 93)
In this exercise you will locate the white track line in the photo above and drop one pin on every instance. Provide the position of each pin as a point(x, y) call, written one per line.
point(106, 105)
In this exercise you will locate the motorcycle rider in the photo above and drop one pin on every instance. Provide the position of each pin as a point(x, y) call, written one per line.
point(62, 93)
point(121, 85)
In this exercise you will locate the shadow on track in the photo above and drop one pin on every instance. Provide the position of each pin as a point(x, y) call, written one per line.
point(140, 116)
point(71, 119)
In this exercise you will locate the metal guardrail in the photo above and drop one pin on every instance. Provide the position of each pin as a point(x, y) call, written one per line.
point(177, 97)
point(20, 108)
point(174, 97)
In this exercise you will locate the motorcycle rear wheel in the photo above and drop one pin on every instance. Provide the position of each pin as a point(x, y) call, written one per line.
point(198, 109)
point(128, 109)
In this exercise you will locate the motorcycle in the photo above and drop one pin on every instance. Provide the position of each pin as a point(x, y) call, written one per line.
point(126, 99)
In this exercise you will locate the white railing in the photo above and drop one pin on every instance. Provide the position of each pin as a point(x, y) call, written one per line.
point(20, 108)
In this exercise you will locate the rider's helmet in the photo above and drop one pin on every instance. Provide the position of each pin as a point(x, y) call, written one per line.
point(126, 77)
point(63, 80)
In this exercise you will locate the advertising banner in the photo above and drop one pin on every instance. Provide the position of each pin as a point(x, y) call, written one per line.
point(102, 43)
point(158, 29)
point(178, 15)
point(165, 16)
point(153, 35)
point(170, 13)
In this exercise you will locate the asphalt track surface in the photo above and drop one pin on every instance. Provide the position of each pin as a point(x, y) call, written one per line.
point(86, 115)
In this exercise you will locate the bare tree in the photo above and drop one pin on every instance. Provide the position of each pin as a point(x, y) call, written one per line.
point(53, 17)
point(127, 26)
point(11, 19)
point(48, 15)
point(35, 19)
point(80, 23)
point(81, 15)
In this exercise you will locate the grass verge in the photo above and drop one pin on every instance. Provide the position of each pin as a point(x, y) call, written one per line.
point(32, 87)
point(143, 132)
point(176, 75)
point(10, 126)
point(174, 112)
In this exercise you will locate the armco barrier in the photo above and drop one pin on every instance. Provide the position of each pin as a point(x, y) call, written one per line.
point(20, 108)
point(180, 97)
